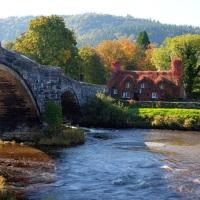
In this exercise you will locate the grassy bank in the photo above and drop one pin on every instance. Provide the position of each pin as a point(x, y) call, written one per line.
point(104, 111)
point(167, 118)
point(67, 137)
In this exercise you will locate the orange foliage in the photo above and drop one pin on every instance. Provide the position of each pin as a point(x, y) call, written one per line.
point(123, 50)
point(126, 53)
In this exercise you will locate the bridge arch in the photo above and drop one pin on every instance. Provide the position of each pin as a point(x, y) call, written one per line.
point(70, 105)
point(17, 103)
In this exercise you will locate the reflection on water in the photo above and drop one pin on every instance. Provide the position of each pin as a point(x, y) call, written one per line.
point(126, 165)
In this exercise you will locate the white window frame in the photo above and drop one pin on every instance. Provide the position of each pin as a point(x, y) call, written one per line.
point(126, 95)
point(142, 86)
point(115, 91)
point(154, 95)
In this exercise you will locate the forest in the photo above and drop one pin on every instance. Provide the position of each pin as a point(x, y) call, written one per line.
point(91, 28)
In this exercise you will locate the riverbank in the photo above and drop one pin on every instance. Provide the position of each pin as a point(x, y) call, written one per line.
point(114, 114)
point(67, 137)
point(22, 169)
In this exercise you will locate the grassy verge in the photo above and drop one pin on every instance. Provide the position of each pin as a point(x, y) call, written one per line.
point(104, 111)
point(168, 118)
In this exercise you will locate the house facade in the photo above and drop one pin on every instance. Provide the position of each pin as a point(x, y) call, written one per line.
point(147, 85)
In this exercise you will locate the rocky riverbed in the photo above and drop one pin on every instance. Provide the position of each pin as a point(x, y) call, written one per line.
point(25, 168)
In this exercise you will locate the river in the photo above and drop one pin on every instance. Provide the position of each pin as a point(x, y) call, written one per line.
point(125, 165)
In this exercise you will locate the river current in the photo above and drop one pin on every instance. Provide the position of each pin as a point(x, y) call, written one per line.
point(132, 164)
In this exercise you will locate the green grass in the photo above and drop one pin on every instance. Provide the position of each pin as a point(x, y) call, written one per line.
point(103, 111)
point(164, 112)
point(168, 118)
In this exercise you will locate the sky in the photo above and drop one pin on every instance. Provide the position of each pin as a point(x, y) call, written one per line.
point(165, 11)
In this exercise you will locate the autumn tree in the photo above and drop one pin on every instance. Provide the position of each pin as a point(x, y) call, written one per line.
point(187, 47)
point(143, 40)
point(123, 50)
point(49, 42)
point(91, 67)
point(145, 58)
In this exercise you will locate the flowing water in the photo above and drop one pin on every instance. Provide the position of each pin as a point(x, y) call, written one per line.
point(131, 164)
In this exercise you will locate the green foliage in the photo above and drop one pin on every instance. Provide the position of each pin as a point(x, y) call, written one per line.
point(167, 118)
point(9, 45)
point(187, 47)
point(49, 42)
point(5, 195)
point(67, 137)
point(114, 114)
point(143, 40)
point(53, 117)
point(94, 28)
point(163, 104)
point(91, 66)
point(105, 112)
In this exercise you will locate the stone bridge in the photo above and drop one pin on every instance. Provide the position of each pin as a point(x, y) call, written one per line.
point(25, 86)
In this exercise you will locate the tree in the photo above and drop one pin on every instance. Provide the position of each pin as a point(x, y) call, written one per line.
point(144, 61)
point(9, 45)
point(91, 66)
point(187, 47)
point(143, 40)
point(123, 50)
point(49, 42)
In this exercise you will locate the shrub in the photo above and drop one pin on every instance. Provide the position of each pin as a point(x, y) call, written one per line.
point(53, 117)
point(66, 138)
point(106, 112)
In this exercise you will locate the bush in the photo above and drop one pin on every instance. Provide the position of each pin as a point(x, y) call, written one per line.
point(105, 112)
point(66, 138)
point(53, 117)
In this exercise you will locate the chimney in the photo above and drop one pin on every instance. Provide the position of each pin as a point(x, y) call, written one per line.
point(115, 66)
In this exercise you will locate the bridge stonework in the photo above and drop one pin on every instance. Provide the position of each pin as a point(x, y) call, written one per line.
point(43, 83)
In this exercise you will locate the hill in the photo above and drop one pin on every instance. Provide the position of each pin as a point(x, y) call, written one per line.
point(92, 28)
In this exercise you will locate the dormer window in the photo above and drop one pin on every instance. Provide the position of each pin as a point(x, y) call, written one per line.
point(142, 86)
point(127, 85)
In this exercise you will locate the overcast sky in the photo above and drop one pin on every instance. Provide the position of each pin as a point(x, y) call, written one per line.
point(166, 11)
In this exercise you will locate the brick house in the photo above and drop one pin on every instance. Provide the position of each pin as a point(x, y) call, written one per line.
point(147, 85)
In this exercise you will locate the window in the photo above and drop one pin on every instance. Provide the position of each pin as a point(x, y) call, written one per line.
point(142, 85)
point(162, 86)
point(126, 95)
point(154, 95)
point(127, 85)
point(115, 91)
